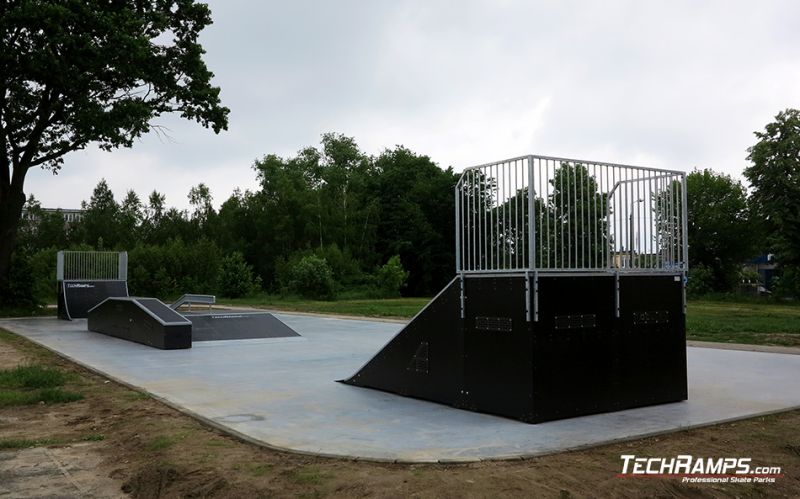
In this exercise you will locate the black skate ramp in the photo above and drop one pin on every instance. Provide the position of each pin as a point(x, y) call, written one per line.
point(75, 298)
point(142, 320)
point(237, 326)
point(581, 355)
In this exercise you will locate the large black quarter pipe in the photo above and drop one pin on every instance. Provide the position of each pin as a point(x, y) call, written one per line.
point(77, 297)
point(578, 355)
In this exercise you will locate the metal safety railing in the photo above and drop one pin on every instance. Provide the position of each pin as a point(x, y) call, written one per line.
point(539, 213)
point(92, 266)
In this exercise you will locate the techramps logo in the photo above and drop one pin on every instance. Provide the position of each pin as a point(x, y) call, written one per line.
point(692, 469)
point(80, 285)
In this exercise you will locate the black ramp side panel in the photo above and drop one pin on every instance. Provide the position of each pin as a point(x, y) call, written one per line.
point(130, 320)
point(424, 360)
point(241, 326)
point(75, 298)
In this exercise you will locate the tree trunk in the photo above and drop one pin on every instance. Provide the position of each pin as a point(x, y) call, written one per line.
point(10, 212)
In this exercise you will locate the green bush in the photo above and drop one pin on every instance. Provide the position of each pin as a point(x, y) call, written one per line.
point(788, 284)
point(19, 289)
point(236, 277)
point(701, 280)
point(346, 273)
point(43, 268)
point(390, 278)
point(345, 268)
point(311, 277)
point(174, 268)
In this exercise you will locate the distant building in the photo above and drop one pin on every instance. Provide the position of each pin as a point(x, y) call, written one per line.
point(71, 216)
point(765, 266)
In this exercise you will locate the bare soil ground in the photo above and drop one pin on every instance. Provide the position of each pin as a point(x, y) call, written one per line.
point(119, 442)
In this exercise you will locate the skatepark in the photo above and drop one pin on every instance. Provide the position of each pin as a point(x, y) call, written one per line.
point(578, 327)
point(282, 393)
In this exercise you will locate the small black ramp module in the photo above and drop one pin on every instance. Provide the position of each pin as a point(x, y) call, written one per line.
point(237, 326)
point(75, 298)
point(424, 360)
point(142, 320)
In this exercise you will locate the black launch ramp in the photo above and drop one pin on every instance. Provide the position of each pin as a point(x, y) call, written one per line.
point(576, 356)
point(143, 320)
point(237, 326)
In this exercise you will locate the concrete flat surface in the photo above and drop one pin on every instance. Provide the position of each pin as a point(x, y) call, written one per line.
point(281, 392)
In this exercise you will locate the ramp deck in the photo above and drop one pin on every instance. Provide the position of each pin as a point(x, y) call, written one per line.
point(237, 326)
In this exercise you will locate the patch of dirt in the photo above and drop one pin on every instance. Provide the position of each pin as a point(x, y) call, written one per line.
point(149, 450)
point(787, 339)
point(11, 357)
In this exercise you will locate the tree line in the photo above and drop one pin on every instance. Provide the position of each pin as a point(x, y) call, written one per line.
point(729, 223)
point(330, 219)
point(333, 220)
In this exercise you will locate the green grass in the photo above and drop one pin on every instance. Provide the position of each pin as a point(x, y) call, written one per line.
point(27, 311)
point(163, 442)
point(33, 384)
point(308, 476)
point(31, 376)
point(390, 307)
point(254, 469)
point(134, 396)
point(10, 398)
point(751, 322)
point(24, 443)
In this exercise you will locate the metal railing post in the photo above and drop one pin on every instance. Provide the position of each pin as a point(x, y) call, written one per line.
point(458, 225)
point(60, 266)
point(531, 218)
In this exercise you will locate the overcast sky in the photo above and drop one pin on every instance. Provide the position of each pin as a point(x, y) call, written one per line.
point(666, 84)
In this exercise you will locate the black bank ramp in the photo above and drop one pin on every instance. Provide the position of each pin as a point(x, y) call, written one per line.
point(237, 326)
point(142, 320)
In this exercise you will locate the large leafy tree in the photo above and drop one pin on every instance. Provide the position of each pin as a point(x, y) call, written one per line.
point(416, 206)
point(720, 233)
point(775, 178)
point(75, 72)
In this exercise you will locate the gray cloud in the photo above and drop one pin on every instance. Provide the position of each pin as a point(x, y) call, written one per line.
point(668, 84)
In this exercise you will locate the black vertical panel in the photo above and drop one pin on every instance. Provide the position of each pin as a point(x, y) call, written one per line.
point(498, 364)
point(654, 327)
point(574, 346)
